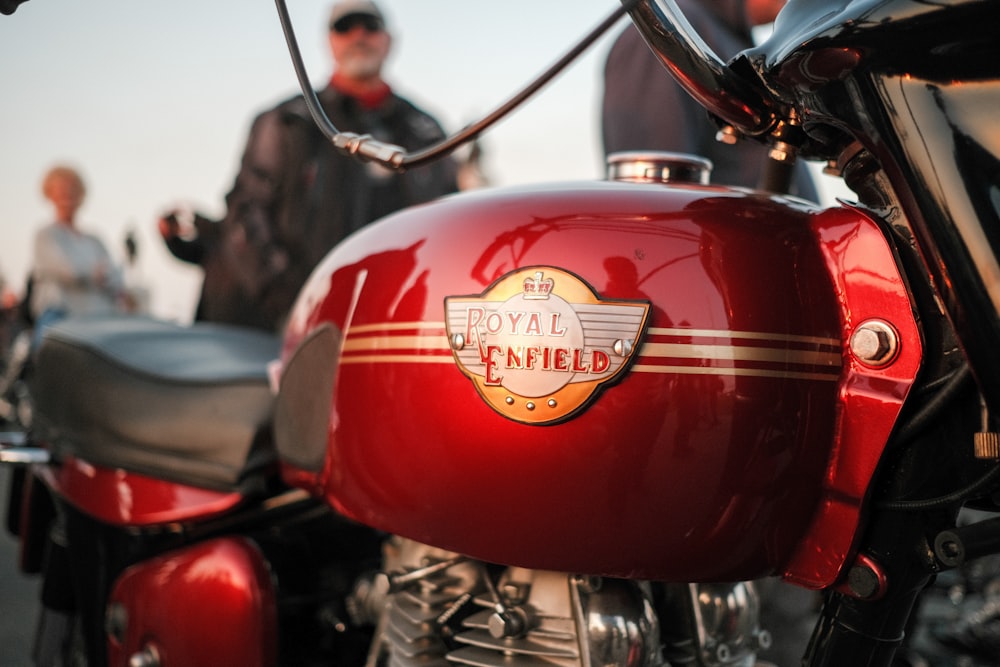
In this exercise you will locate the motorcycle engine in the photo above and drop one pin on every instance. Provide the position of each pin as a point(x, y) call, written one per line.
point(438, 609)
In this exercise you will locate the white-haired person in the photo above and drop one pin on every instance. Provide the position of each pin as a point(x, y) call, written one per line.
point(72, 272)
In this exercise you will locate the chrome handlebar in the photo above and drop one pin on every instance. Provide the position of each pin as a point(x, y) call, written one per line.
point(698, 69)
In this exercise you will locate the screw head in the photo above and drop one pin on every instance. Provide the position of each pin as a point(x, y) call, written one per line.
point(781, 152)
point(622, 347)
point(863, 581)
point(875, 343)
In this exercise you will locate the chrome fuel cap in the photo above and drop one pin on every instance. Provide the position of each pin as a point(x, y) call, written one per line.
point(658, 167)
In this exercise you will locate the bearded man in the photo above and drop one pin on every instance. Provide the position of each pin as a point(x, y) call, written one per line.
point(296, 196)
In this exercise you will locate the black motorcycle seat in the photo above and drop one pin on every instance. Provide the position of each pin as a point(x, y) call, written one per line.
point(183, 403)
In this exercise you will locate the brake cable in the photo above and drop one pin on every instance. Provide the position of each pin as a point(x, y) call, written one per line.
point(396, 157)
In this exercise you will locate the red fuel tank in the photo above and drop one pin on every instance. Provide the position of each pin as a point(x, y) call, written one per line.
point(608, 378)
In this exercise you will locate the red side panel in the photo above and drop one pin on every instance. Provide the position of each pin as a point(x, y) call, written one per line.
point(206, 605)
point(124, 498)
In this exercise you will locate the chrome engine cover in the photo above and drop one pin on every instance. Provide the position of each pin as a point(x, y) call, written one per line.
point(438, 609)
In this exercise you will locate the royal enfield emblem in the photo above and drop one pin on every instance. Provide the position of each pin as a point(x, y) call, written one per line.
point(540, 343)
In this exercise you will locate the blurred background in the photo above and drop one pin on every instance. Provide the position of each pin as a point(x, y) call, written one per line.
point(152, 103)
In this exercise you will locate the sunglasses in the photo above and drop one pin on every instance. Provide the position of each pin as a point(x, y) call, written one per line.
point(349, 22)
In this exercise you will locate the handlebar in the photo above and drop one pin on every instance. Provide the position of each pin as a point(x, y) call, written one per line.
point(698, 69)
point(9, 6)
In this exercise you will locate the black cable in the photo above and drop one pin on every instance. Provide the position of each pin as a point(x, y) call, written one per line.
point(474, 130)
point(395, 156)
point(953, 384)
point(942, 501)
point(312, 101)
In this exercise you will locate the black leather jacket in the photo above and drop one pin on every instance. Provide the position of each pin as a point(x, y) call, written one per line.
point(295, 197)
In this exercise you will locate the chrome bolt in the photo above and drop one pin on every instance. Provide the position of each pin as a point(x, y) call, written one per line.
point(875, 343)
point(623, 348)
point(509, 623)
point(530, 405)
point(728, 135)
point(552, 403)
point(457, 341)
point(782, 152)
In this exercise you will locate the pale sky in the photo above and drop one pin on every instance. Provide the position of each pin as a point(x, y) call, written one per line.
point(152, 102)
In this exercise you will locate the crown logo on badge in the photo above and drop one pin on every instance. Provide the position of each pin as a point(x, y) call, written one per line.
point(537, 287)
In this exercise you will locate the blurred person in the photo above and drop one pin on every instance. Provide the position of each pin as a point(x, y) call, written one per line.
point(193, 238)
point(8, 314)
point(72, 273)
point(8, 297)
point(136, 287)
point(296, 196)
point(9, 306)
point(643, 108)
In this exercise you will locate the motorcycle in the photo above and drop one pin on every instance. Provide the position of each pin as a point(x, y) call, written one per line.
point(570, 424)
